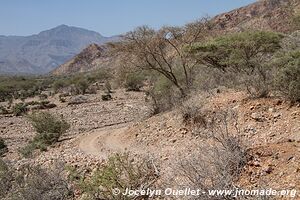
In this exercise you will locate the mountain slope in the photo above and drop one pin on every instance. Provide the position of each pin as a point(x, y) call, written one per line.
point(274, 15)
point(41, 53)
point(81, 62)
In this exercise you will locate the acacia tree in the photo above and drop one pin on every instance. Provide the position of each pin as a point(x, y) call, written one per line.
point(162, 51)
point(245, 54)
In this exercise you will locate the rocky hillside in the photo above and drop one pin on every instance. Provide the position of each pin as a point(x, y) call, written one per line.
point(272, 15)
point(81, 62)
point(41, 53)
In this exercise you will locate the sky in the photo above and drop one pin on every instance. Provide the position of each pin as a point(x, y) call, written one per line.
point(108, 17)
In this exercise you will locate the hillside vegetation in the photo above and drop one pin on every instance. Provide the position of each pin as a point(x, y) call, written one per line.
point(214, 104)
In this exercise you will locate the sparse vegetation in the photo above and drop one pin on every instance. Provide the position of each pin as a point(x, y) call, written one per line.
point(3, 110)
point(3, 147)
point(21, 87)
point(198, 71)
point(163, 95)
point(33, 182)
point(162, 51)
point(245, 55)
point(218, 162)
point(49, 128)
point(192, 112)
point(6, 178)
point(134, 81)
point(20, 109)
point(288, 77)
point(80, 83)
point(120, 172)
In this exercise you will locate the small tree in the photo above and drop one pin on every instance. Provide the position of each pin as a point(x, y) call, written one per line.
point(245, 54)
point(287, 79)
point(162, 50)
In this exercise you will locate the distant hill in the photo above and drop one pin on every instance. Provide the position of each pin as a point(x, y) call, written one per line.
point(41, 53)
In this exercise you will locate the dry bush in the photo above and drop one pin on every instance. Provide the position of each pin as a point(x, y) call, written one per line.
point(219, 160)
point(34, 183)
point(6, 178)
point(192, 111)
point(120, 172)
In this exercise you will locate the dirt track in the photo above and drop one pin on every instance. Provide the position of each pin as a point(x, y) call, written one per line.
point(104, 141)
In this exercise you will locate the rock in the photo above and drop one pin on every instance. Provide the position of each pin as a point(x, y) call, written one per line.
point(271, 110)
point(268, 169)
point(256, 164)
point(106, 97)
point(77, 100)
point(257, 117)
point(290, 158)
point(276, 115)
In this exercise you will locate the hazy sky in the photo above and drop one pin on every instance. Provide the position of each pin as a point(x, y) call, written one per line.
point(108, 17)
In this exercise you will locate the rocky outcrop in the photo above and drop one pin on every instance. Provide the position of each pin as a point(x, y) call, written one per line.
point(81, 62)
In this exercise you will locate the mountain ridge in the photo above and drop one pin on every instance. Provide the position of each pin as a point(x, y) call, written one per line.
point(46, 50)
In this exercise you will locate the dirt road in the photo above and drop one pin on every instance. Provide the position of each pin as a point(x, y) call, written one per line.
point(104, 141)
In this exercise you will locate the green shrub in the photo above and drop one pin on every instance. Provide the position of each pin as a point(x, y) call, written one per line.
point(59, 84)
point(288, 77)
point(27, 151)
point(18, 86)
point(3, 147)
point(134, 82)
point(120, 172)
point(245, 56)
point(49, 128)
point(296, 22)
point(20, 109)
point(6, 178)
point(98, 75)
point(45, 122)
point(163, 95)
point(82, 85)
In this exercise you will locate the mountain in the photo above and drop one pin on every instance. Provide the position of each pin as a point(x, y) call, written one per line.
point(82, 62)
point(271, 15)
point(41, 53)
point(274, 15)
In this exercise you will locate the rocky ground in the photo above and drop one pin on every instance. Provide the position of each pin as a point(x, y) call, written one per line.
point(94, 114)
point(270, 128)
